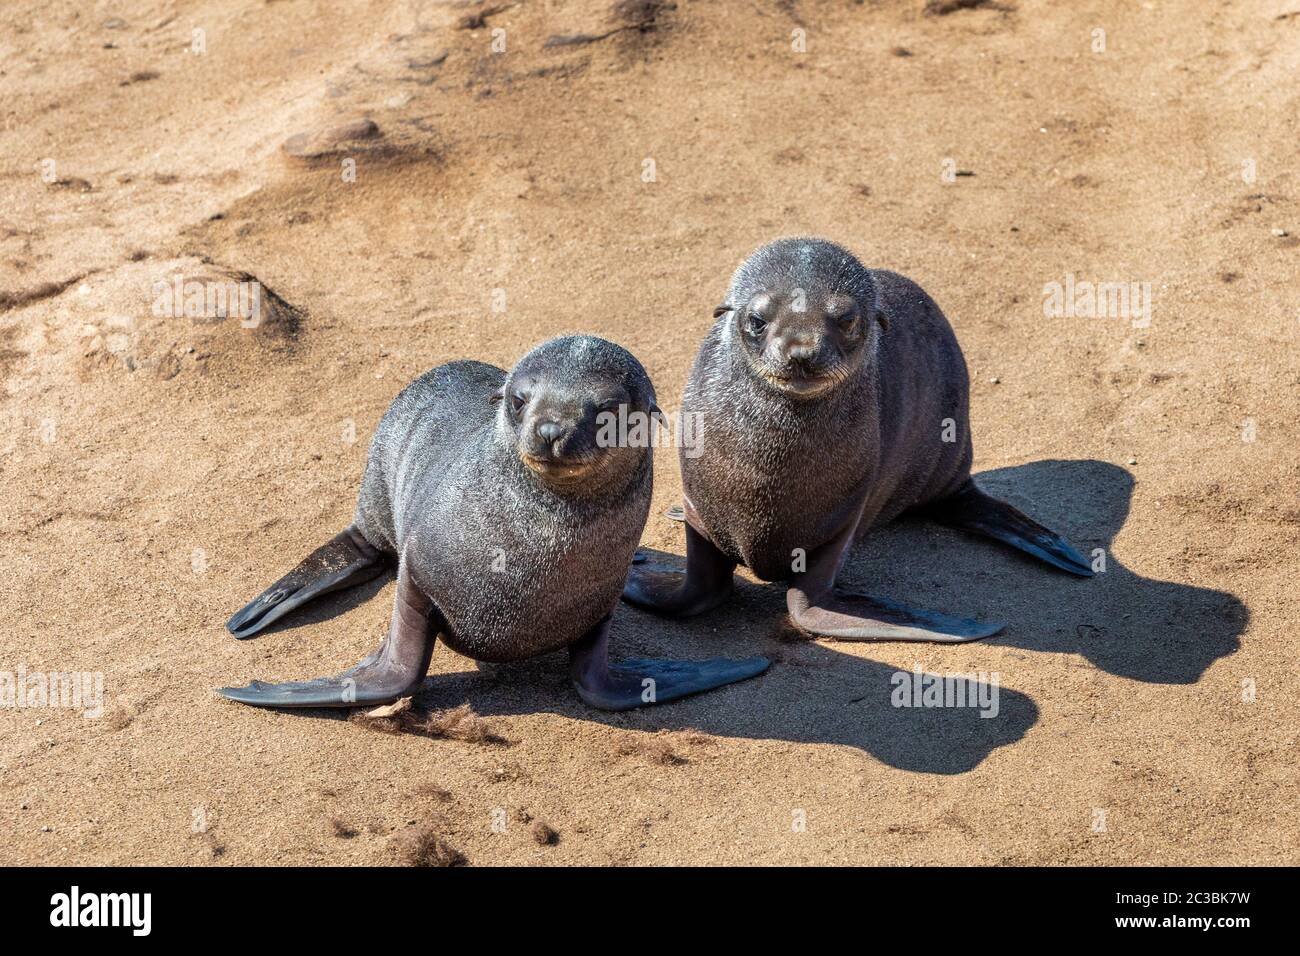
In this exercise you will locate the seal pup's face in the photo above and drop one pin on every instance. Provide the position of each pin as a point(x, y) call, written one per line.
point(804, 353)
point(562, 404)
point(802, 313)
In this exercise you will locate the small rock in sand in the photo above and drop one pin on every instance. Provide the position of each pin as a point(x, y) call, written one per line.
point(391, 710)
point(310, 144)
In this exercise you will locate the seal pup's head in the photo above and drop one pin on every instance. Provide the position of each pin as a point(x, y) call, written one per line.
point(803, 314)
point(571, 407)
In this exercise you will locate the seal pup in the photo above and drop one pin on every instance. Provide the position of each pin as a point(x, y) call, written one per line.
point(512, 517)
point(833, 398)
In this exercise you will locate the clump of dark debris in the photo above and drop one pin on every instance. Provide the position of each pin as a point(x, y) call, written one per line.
point(458, 723)
point(543, 833)
point(424, 847)
point(342, 829)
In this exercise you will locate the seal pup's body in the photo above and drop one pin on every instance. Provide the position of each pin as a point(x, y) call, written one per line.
point(511, 527)
point(833, 399)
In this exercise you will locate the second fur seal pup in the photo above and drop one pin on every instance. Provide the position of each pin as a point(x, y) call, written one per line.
point(833, 399)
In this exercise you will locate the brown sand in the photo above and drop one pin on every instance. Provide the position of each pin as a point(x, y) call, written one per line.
point(158, 472)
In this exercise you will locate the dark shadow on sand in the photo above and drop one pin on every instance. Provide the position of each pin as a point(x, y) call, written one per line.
point(1158, 632)
point(811, 695)
point(1135, 627)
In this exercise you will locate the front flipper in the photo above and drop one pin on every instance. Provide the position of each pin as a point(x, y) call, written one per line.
point(972, 510)
point(818, 607)
point(704, 584)
point(345, 560)
point(860, 617)
point(638, 682)
point(395, 670)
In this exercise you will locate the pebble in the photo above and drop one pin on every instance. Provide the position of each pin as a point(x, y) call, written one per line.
point(1132, 461)
point(995, 380)
point(310, 144)
point(1279, 233)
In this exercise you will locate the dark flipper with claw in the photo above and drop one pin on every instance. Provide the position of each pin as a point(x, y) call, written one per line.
point(347, 559)
point(704, 584)
point(860, 617)
point(972, 510)
point(395, 670)
point(639, 682)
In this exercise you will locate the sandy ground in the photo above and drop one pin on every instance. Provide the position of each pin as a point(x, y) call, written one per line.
point(159, 471)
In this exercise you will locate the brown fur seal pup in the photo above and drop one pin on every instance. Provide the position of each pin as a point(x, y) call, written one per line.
point(512, 524)
point(833, 399)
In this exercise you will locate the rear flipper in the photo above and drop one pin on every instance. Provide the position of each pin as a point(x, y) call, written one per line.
point(638, 682)
point(347, 559)
point(972, 510)
point(834, 612)
point(395, 670)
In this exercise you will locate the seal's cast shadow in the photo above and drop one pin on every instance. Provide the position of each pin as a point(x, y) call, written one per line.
point(818, 692)
point(1125, 624)
point(813, 693)
point(1158, 632)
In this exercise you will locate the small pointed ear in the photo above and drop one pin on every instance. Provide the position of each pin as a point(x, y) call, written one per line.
point(721, 310)
point(495, 397)
point(881, 318)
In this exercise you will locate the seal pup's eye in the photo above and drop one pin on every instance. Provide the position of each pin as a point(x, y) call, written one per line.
point(517, 402)
point(846, 319)
point(755, 323)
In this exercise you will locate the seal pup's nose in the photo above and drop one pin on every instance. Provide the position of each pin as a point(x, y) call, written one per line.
point(550, 432)
point(801, 354)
